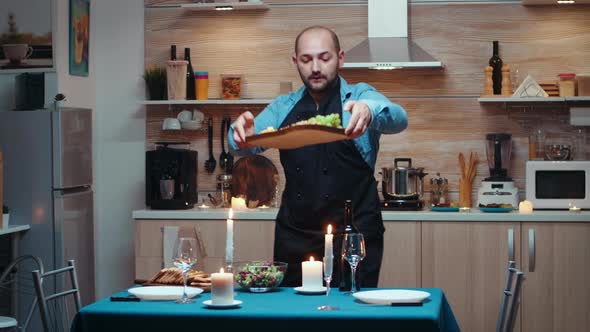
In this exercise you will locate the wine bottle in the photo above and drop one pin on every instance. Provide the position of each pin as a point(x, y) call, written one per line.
point(190, 76)
point(345, 273)
point(496, 64)
point(173, 52)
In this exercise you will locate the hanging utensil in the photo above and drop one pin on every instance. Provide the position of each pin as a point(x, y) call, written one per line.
point(229, 161)
point(223, 155)
point(210, 163)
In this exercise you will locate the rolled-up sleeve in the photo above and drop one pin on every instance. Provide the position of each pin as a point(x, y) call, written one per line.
point(386, 116)
point(269, 117)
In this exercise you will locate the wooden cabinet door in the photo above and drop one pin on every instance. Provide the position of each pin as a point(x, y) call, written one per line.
point(468, 261)
point(400, 266)
point(253, 239)
point(556, 288)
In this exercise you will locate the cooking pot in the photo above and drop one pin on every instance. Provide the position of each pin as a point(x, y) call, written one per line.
point(403, 182)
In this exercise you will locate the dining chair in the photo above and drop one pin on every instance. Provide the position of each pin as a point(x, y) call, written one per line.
point(510, 299)
point(56, 309)
point(17, 283)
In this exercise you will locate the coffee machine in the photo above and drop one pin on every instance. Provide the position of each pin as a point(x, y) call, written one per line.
point(171, 177)
point(498, 189)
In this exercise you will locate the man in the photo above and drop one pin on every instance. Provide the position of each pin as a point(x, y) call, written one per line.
point(319, 178)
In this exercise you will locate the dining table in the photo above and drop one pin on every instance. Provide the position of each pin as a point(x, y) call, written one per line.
point(284, 309)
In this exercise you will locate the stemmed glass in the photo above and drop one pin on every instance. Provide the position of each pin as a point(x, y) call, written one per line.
point(328, 267)
point(185, 256)
point(353, 251)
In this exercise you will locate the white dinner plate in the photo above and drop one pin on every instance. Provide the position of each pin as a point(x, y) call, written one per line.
point(389, 296)
point(161, 293)
point(310, 291)
point(210, 304)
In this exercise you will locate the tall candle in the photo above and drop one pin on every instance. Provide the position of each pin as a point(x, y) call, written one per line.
point(229, 240)
point(328, 251)
point(222, 288)
point(311, 272)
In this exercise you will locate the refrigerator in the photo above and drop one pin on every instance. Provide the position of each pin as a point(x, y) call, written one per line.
point(48, 185)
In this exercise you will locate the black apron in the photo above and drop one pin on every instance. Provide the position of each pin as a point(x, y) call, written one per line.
point(319, 178)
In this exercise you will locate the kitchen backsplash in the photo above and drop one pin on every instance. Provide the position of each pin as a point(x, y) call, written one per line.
point(445, 117)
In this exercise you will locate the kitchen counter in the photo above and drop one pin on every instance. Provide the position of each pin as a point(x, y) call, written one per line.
point(425, 215)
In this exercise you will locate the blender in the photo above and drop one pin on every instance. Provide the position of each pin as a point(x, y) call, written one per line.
point(498, 189)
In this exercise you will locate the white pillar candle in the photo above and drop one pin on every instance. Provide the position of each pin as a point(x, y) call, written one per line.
point(229, 240)
point(525, 207)
point(328, 251)
point(222, 288)
point(238, 203)
point(311, 272)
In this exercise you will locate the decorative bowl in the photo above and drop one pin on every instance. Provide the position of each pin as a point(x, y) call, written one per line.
point(259, 276)
point(558, 151)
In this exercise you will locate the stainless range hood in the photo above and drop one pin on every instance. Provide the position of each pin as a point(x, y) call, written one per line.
point(388, 45)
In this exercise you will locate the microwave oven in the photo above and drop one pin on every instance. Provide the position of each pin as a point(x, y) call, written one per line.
point(558, 184)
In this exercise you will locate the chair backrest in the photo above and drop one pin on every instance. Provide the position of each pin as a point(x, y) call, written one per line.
point(17, 283)
point(55, 309)
point(510, 299)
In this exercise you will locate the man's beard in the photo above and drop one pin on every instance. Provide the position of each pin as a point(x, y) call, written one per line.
point(321, 89)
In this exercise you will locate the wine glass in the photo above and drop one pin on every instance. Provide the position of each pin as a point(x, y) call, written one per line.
point(353, 251)
point(185, 256)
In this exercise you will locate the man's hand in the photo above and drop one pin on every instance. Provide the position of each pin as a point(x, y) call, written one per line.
point(243, 127)
point(359, 120)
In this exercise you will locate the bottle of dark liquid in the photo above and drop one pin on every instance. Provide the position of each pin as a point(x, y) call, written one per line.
point(345, 273)
point(496, 64)
point(190, 76)
point(173, 52)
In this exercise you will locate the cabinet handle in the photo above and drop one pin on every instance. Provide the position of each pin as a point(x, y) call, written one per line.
point(511, 244)
point(531, 250)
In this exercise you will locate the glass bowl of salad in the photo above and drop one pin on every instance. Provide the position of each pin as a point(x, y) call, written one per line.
point(259, 276)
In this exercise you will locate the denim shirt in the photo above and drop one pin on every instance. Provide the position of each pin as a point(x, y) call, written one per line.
point(386, 118)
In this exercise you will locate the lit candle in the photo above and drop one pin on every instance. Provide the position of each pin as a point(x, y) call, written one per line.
point(525, 207)
point(328, 251)
point(311, 272)
point(238, 203)
point(222, 288)
point(229, 240)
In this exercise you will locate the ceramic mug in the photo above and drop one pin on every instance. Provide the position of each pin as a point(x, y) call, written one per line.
point(171, 124)
point(17, 52)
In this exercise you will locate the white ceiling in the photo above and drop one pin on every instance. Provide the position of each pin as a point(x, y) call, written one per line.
point(551, 2)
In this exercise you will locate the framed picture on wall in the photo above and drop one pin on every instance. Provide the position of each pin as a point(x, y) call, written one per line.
point(26, 40)
point(79, 37)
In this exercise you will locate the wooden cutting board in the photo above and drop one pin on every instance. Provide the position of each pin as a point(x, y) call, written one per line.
point(297, 136)
point(255, 179)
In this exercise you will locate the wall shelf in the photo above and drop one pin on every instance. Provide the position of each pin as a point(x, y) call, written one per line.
point(214, 6)
point(533, 99)
point(209, 102)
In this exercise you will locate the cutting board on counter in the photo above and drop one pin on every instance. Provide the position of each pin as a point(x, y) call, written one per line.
point(255, 178)
point(297, 136)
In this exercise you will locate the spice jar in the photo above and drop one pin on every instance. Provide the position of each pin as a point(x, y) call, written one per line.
point(567, 85)
point(202, 85)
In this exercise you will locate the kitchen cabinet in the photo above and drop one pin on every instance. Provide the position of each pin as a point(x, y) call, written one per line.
point(253, 240)
point(245, 101)
point(468, 261)
point(556, 289)
point(401, 255)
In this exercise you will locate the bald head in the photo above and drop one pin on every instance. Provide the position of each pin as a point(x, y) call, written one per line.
point(318, 29)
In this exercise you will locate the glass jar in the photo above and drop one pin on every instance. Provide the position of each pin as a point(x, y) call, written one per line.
point(537, 145)
point(231, 86)
point(439, 190)
point(224, 189)
point(567, 85)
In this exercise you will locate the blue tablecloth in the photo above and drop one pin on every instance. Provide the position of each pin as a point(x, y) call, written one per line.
point(282, 310)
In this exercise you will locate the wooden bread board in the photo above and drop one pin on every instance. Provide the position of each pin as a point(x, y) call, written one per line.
point(294, 137)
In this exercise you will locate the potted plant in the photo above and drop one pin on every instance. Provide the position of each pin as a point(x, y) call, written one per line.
point(155, 80)
point(15, 45)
